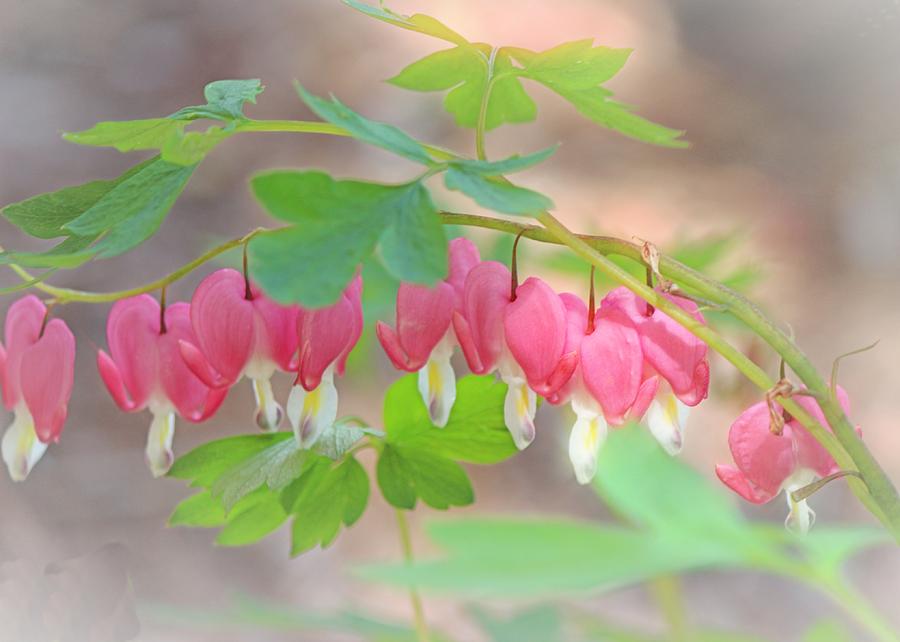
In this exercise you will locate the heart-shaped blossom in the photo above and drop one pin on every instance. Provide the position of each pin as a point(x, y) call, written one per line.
point(423, 341)
point(37, 370)
point(608, 386)
point(326, 337)
point(521, 336)
point(241, 332)
point(145, 369)
point(766, 463)
point(675, 354)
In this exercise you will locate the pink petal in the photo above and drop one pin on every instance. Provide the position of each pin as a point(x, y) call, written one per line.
point(423, 318)
point(187, 392)
point(197, 363)
point(485, 299)
point(326, 336)
point(2, 366)
point(764, 458)
point(112, 378)
point(47, 373)
point(276, 337)
point(224, 322)
point(463, 257)
point(576, 329)
point(612, 363)
point(736, 481)
point(23, 326)
point(132, 330)
point(354, 294)
point(391, 344)
point(645, 395)
point(810, 453)
point(463, 332)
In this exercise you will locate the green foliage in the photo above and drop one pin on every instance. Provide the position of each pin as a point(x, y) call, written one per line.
point(468, 70)
point(827, 631)
point(336, 226)
point(539, 624)
point(379, 134)
point(679, 522)
point(225, 103)
point(100, 219)
point(325, 497)
point(475, 432)
point(419, 460)
point(496, 193)
point(515, 163)
point(475, 71)
point(253, 483)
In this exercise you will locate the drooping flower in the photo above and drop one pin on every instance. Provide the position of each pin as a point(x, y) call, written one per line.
point(676, 355)
point(145, 369)
point(522, 336)
point(326, 337)
point(766, 463)
point(240, 332)
point(37, 370)
point(608, 386)
point(423, 341)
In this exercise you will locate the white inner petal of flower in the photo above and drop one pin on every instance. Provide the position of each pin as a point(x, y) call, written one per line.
point(312, 413)
point(667, 419)
point(21, 447)
point(268, 411)
point(586, 439)
point(800, 516)
point(437, 382)
point(518, 410)
point(159, 454)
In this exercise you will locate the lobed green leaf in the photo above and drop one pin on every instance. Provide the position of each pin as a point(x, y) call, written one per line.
point(495, 193)
point(337, 226)
point(406, 474)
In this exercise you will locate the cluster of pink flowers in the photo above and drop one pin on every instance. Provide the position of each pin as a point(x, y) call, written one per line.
point(619, 362)
point(613, 365)
point(180, 359)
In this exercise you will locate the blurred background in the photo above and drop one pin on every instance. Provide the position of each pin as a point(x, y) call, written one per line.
point(791, 108)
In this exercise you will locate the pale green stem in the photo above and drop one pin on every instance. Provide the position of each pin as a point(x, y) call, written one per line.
point(66, 295)
point(666, 591)
point(406, 544)
point(481, 125)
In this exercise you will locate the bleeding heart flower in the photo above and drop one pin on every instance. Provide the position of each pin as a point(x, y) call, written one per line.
point(608, 386)
point(37, 370)
point(671, 351)
point(522, 337)
point(240, 332)
point(326, 337)
point(423, 341)
point(146, 370)
point(768, 463)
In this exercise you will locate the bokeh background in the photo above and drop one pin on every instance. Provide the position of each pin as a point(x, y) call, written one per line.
point(792, 111)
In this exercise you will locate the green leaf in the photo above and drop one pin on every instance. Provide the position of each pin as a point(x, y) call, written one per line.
point(496, 194)
point(205, 464)
point(674, 499)
point(539, 624)
point(128, 135)
point(326, 497)
point(69, 253)
point(200, 510)
point(515, 163)
point(379, 134)
point(464, 71)
point(509, 558)
point(418, 22)
point(189, 148)
point(572, 65)
point(338, 225)
point(276, 466)
point(45, 215)
point(148, 193)
point(253, 523)
point(476, 431)
point(338, 439)
point(229, 96)
point(405, 474)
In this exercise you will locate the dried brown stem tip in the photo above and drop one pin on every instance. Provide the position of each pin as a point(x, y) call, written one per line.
point(783, 388)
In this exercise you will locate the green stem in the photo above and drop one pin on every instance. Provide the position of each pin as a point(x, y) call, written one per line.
point(66, 295)
point(666, 591)
point(481, 124)
point(415, 600)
